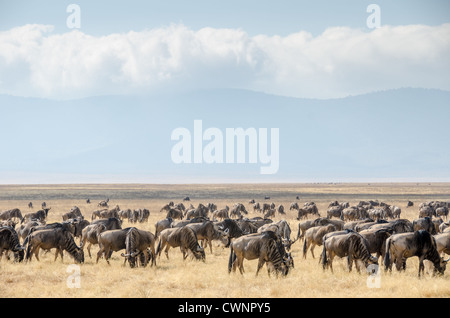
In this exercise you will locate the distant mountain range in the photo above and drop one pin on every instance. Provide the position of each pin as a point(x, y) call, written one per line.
point(396, 135)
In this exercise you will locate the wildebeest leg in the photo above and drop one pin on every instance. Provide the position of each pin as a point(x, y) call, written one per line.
point(240, 261)
point(330, 260)
point(312, 249)
point(35, 251)
point(166, 251)
point(261, 262)
point(208, 242)
point(99, 253)
point(421, 265)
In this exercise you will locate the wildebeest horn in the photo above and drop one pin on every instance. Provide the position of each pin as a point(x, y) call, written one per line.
point(125, 255)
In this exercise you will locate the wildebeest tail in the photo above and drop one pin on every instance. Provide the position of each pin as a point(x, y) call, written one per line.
point(324, 256)
point(231, 259)
point(387, 255)
point(305, 244)
point(158, 248)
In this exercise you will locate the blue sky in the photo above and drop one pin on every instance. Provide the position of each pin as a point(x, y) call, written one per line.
point(189, 56)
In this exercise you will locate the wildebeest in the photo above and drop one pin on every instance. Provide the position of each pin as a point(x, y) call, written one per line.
point(424, 224)
point(376, 240)
point(426, 211)
point(421, 243)
point(351, 245)
point(339, 224)
point(58, 238)
point(90, 235)
point(40, 215)
point(303, 227)
point(443, 243)
point(111, 241)
point(207, 232)
point(103, 203)
point(335, 211)
point(174, 214)
point(162, 225)
point(138, 242)
point(221, 214)
point(314, 236)
point(396, 211)
point(282, 229)
point(9, 241)
point(442, 212)
point(72, 214)
point(144, 215)
point(237, 210)
point(183, 237)
point(261, 246)
point(11, 214)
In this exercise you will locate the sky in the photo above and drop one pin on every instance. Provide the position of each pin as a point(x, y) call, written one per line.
point(312, 50)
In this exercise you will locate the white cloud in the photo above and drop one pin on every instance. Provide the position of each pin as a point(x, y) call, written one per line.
point(341, 61)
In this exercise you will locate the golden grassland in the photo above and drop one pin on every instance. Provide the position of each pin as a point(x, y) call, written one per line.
point(175, 278)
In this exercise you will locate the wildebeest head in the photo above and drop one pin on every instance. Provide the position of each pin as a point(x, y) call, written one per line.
point(199, 253)
point(441, 266)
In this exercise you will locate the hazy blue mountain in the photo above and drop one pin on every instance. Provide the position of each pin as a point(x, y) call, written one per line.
point(392, 135)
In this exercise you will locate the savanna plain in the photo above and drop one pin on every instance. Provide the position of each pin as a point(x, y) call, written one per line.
point(178, 278)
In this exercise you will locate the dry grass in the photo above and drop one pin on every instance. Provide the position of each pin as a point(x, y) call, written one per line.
point(176, 278)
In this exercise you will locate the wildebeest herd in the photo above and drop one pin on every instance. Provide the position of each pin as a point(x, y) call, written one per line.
point(370, 232)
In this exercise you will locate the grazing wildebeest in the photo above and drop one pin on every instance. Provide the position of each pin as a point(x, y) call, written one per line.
point(30, 205)
point(58, 238)
point(207, 232)
point(311, 208)
point(237, 209)
point(138, 242)
point(282, 229)
point(262, 246)
point(351, 245)
point(9, 241)
point(421, 243)
point(183, 237)
point(314, 236)
point(40, 215)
